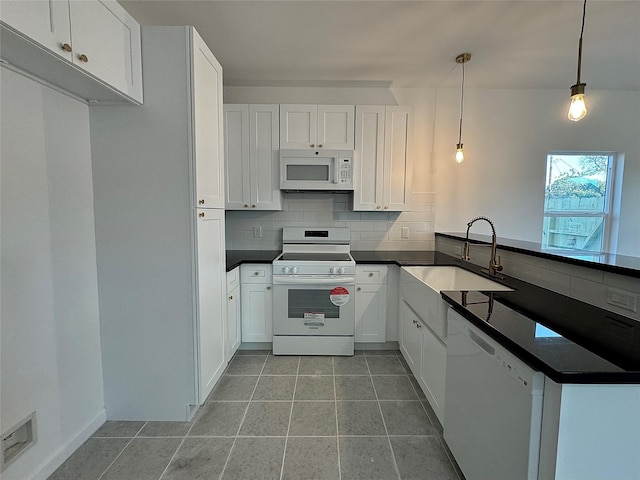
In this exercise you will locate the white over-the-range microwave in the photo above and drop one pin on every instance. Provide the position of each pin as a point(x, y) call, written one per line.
point(316, 169)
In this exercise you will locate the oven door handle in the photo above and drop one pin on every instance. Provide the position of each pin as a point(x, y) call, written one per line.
point(313, 280)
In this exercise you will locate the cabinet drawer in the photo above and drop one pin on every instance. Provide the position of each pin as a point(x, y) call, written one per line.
point(233, 279)
point(255, 273)
point(376, 274)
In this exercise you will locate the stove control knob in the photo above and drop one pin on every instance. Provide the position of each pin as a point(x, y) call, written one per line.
point(285, 269)
point(341, 270)
point(294, 270)
point(333, 270)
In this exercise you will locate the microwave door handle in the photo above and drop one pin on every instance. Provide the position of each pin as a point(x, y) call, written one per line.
point(336, 171)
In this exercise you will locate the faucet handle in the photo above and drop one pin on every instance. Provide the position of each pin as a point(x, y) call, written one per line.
point(497, 266)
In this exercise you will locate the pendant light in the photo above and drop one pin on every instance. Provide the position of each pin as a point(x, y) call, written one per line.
point(578, 109)
point(462, 59)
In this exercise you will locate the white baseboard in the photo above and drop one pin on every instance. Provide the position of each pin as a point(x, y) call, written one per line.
point(59, 457)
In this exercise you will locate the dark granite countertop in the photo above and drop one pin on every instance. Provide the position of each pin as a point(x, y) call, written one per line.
point(401, 258)
point(237, 257)
point(607, 262)
point(568, 340)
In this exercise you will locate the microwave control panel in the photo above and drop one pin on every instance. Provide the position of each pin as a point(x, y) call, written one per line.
point(345, 170)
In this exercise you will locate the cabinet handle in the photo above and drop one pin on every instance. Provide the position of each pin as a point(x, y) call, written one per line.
point(418, 325)
point(358, 289)
point(312, 145)
point(320, 146)
point(371, 274)
point(378, 207)
point(386, 206)
point(269, 288)
point(66, 47)
point(253, 206)
point(256, 273)
point(83, 58)
point(414, 321)
point(246, 206)
point(201, 201)
point(231, 297)
point(201, 214)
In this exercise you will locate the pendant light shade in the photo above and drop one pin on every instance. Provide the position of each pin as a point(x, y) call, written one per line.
point(462, 59)
point(578, 107)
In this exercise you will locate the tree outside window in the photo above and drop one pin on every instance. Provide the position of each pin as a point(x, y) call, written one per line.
point(577, 202)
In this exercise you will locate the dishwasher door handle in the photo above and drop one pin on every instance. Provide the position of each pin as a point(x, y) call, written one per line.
point(481, 342)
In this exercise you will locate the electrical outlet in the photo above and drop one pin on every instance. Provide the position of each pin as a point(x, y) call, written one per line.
point(404, 232)
point(257, 232)
point(622, 299)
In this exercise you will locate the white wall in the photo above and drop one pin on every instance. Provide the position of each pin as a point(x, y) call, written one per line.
point(507, 135)
point(51, 360)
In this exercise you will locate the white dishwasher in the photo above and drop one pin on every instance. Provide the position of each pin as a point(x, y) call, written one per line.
point(493, 409)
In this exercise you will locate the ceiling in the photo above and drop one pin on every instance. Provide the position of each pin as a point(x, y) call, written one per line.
point(514, 43)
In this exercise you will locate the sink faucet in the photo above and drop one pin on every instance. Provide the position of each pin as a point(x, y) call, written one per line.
point(494, 265)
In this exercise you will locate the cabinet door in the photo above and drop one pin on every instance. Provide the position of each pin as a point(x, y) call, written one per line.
point(371, 313)
point(44, 21)
point(265, 157)
point(210, 299)
point(336, 127)
point(257, 312)
point(409, 337)
point(207, 125)
point(433, 367)
point(298, 126)
point(398, 168)
point(232, 334)
point(106, 43)
point(236, 157)
point(369, 158)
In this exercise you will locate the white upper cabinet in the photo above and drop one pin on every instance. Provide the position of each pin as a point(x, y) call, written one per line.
point(207, 117)
point(383, 167)
point(95, 45)
point(252, 157)
point(317, 126)
point(44, 21)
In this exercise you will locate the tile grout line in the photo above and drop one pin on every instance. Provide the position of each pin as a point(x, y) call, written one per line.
point(244, 416)
point(384, 423)
point(121, 451)
point(335, 398)
point(286, 439)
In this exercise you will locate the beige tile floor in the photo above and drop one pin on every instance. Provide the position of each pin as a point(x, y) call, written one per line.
point(295, 418)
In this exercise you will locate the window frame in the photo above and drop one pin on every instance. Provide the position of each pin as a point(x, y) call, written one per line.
point(607, 213)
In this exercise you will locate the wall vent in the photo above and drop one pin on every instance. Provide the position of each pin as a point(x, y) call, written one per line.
point(17, 439)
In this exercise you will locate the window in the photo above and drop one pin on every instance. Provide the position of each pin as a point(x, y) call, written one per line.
point(577, 202)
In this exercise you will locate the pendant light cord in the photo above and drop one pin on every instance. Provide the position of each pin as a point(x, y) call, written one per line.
point(584, 13)
point(462, 105)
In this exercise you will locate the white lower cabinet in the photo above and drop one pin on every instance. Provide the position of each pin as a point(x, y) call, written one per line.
point(256, 294)
point(371, 303)
point(433, 367)
point(233, 327)
point(425, 354)
point(409, 339)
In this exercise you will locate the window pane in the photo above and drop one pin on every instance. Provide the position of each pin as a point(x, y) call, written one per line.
point(576, 183)
point(573, 233)
point(576, 202)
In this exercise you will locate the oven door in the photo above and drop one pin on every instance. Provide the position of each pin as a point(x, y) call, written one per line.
point(314, 309)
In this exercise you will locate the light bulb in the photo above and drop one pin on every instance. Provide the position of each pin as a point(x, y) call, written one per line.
point(459, 153)
point(577, 109)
